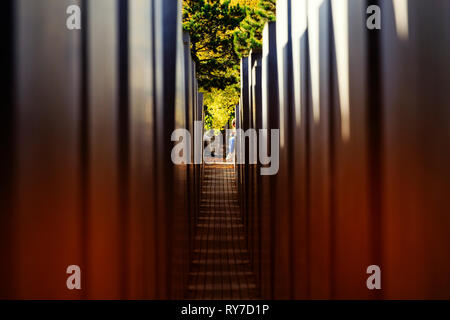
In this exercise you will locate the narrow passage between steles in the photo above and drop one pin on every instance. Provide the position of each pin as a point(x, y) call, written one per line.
point(220, 267)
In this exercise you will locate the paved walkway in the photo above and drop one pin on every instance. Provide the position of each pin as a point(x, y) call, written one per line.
point(220, 267)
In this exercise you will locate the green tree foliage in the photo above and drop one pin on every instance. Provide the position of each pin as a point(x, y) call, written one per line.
point(211, 24)
point(220, 107)
point(221, 32)
point(249, 34)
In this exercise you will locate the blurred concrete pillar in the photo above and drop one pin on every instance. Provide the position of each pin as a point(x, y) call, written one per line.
point(141, 244)
point(354, 152)
point(283, 220)
point(415, 77)
point(47, 235)
point(300, 149)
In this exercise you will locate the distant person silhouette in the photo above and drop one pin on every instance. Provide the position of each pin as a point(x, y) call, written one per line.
point(232, 141)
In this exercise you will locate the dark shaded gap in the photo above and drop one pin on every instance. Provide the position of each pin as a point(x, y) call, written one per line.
point(84, 144)
point(123, 140)
point(375, 129)
point(7, 146)
point(333, 137)
point(289, 124)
